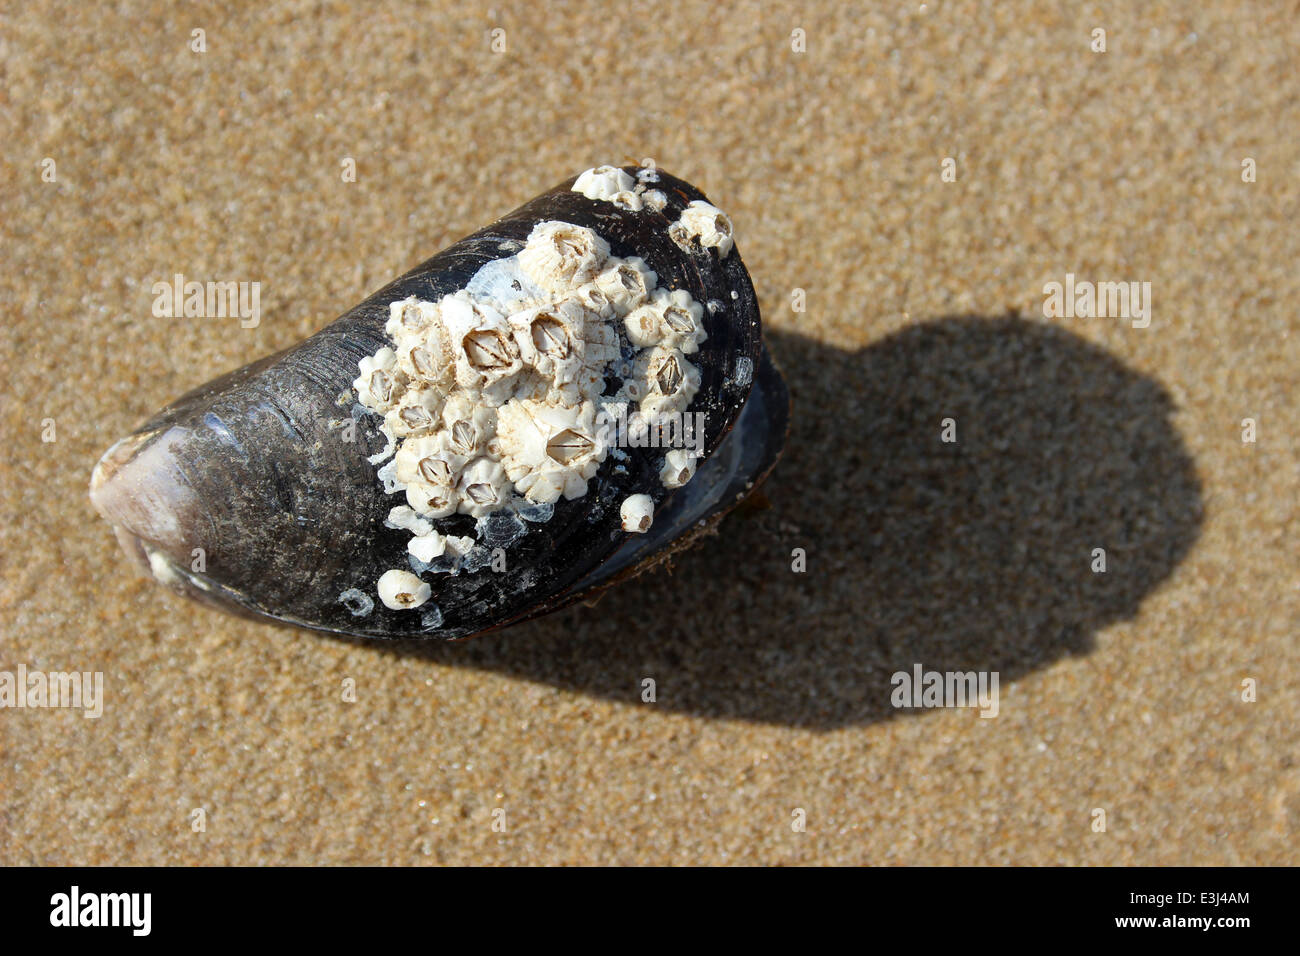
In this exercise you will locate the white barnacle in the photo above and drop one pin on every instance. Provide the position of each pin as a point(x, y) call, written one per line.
point(671, 319)
point(408, 316)
point(637, 513)
point(550, 451)
point(631, 201)
point(642, 326)
point(416, 413)
point(432, 500)
point(427, 546)
point(487, 350)
point(428, 471)
point(666, 382)
point(626, 283)
point(426, 354)
point(402, 590)
point(381, 382)
point(704, 223)
point(603, 182)
point(561, 256)
point(551, 339)
point(678, 468)
point(683, 326)
point(486, 355)
point(482, 487)
point(469, 426)
point(654, 200)
point(594, 301)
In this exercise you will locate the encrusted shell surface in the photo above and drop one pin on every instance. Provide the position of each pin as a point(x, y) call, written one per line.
point(445, 458)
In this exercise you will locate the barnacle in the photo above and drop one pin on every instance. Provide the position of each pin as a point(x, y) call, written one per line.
point(704, 223)
point(381, 382)
point(603, 182)
point(626, 284)
point(637, 513)
point(667, 381)
point(415, 413)
point(560, 256)
point(402, 590)
point(678, 468)
point(672, 319)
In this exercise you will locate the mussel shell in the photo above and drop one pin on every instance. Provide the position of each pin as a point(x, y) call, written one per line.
point(289, 516)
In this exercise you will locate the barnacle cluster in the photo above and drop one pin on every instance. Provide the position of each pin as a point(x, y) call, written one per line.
point(611, 184)
point(495, 396)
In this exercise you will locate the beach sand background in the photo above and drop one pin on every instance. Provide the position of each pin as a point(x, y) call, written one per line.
point(1119, 691)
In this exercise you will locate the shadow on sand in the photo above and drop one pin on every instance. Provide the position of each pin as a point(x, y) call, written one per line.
point(968, 556)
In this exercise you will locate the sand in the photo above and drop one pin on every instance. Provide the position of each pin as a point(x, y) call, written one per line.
point(1119, 691)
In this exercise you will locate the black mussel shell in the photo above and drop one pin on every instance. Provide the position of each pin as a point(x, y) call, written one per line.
point(245, 494)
